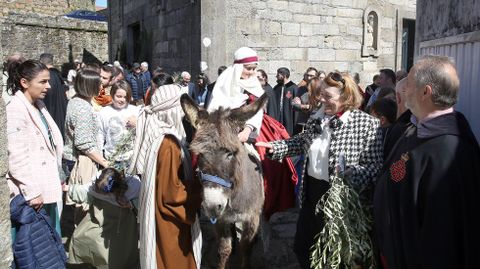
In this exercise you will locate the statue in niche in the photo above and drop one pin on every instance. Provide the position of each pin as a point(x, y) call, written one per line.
point(371, 33)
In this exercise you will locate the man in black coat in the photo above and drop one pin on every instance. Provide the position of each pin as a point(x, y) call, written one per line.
point(210, 87)
point(426, 204)
point(282, 108)
point(56, 98)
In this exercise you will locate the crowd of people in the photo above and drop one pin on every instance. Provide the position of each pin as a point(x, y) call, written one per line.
point(112, 145)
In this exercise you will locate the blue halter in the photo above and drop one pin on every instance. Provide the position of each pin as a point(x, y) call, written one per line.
point(215, 179)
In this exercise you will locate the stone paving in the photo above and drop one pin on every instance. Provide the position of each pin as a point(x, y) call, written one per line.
point(278, 234)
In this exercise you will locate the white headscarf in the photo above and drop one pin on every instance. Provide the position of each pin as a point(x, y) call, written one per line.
point(229, 88)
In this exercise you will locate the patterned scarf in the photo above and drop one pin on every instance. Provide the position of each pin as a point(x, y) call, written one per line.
point(103, 99)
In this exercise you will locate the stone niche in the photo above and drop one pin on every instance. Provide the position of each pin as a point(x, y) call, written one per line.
point(371, 32)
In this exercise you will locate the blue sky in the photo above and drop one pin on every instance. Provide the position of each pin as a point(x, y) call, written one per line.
point(101, 3)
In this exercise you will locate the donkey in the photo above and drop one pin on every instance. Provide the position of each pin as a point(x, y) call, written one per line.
point(231, 177)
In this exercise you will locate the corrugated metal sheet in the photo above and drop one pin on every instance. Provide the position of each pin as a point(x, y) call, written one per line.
point(467, 58)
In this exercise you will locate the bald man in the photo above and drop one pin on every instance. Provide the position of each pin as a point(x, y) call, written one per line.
point(403, 119)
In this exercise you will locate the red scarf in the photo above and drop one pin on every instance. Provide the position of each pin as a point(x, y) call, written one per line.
point(103, 99)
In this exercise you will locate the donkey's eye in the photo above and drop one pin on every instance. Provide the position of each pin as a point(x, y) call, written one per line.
point(229, 155)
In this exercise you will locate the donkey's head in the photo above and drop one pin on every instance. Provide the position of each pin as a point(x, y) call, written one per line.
point(221, 155)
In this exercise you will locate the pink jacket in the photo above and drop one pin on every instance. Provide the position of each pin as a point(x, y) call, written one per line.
point(33, 162)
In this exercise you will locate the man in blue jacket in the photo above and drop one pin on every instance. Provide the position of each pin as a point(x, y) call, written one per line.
point(138, 83)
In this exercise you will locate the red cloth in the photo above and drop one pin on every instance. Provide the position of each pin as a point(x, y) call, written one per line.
point(279, 178)
point(383, 260)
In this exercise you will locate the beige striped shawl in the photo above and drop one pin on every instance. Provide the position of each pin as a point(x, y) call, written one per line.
point(146, 210)
point(162, 117)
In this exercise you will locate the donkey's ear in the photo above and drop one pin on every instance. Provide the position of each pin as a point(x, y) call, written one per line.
point(246, 112)
point(190, 108)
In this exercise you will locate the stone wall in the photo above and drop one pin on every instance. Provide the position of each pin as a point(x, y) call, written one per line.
point(45, 7)
point(5, 237)
point(297, 34)
point(167, 33)
point(452, 28)
point(441, 18)
point(67, 39)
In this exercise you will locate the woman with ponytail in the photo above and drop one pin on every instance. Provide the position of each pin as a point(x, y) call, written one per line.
point(35, 148)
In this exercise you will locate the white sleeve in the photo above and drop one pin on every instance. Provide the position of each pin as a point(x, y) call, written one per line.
point(101, 131)
point(256, 121)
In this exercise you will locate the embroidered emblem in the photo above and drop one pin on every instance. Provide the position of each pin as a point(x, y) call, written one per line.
point(288, 95)
point(398, 170)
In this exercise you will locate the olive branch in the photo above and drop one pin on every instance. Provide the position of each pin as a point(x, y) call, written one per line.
point(345, 238)
point(123, 146)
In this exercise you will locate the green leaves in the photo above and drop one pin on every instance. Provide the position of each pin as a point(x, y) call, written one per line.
point(123, 146)
point(345, 238)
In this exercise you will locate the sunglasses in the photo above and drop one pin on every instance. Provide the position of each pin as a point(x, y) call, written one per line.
point(337, 77)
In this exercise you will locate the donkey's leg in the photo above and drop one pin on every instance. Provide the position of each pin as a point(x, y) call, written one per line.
point(250, 229)
point(224, 234)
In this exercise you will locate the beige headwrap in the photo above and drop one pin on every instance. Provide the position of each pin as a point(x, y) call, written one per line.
point(163, 116)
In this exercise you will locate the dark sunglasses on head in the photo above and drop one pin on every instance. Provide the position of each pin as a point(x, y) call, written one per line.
point(337, 77)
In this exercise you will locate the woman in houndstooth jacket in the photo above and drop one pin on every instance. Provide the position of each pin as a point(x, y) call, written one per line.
point(342, 130)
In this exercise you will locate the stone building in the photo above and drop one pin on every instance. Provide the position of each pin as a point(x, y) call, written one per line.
point(452, 28)
point(45, 7)
point(352, 35)
point(32, 28)
point(35, 27)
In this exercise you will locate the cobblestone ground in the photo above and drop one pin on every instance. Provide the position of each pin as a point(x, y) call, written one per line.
point(272, 250)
